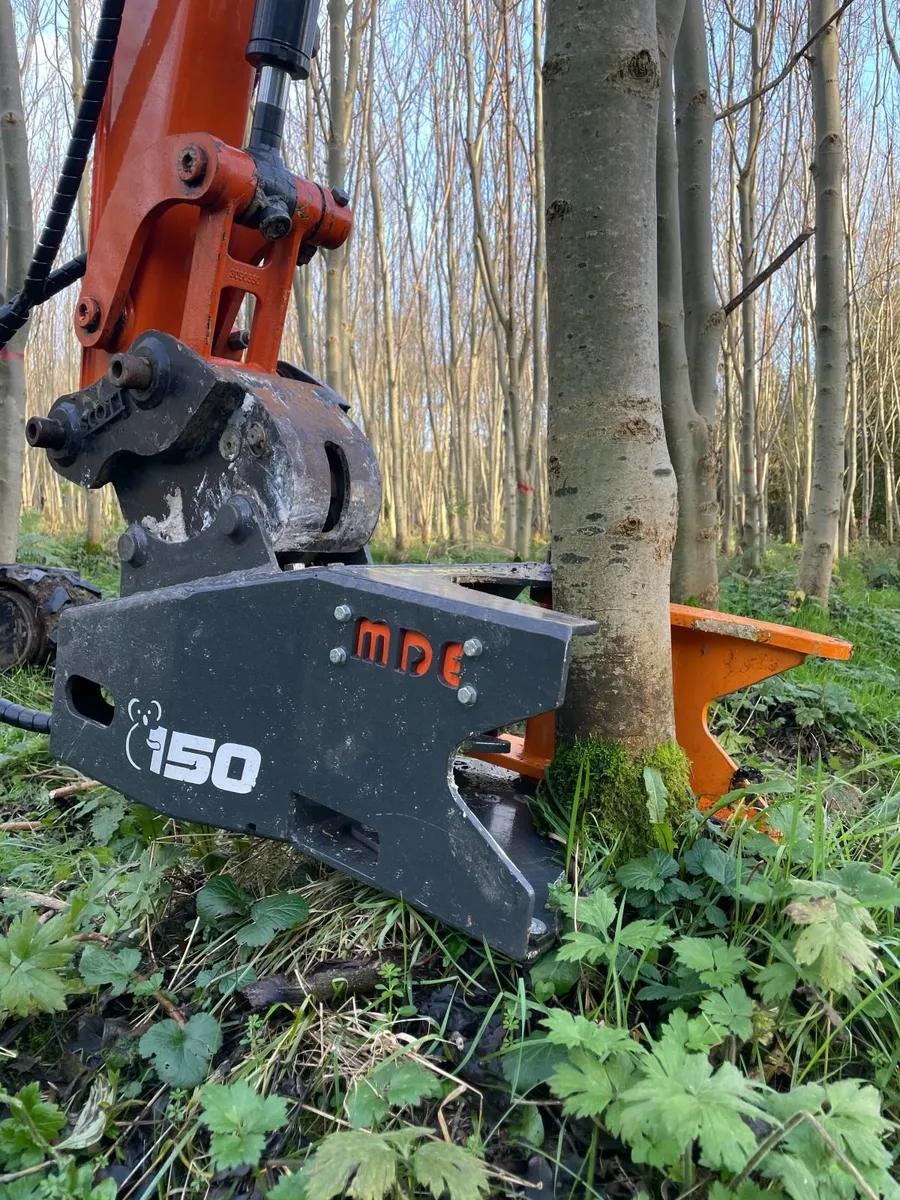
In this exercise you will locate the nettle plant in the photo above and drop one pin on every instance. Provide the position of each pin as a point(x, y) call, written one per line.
point(704, 974)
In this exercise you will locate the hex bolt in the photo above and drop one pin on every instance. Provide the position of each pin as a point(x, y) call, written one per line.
point(87, 313)
point(472, 647)
point(230, 444)
point(275, 225)
point(257, 440)
point(46, 433)
point(134, 546)
point(341, 198)
point(192, 163)
point(537, 929)
point(235, 517)
point(130, 371)
point(343, 613)
point(337, 655)
point(467, 695)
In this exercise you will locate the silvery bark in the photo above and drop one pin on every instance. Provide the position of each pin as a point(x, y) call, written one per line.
point(820, 538)
point(612, 488)
point(694, 571)
point(748, 200)
point(19, 246)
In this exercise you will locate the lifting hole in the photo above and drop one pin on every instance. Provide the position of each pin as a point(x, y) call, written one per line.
point(91, 700)
point(337, 465)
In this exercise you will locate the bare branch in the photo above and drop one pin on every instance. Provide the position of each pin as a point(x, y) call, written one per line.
point(788, 67)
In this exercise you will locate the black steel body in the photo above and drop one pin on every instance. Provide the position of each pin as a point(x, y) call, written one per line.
point(342, 728)
point(258, 676)
point(203, 431)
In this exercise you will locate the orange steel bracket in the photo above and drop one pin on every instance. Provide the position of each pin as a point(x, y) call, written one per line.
point(713, 655)
point(167, 251)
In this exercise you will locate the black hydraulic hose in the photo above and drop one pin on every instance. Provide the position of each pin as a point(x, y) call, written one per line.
point(14, 314)
point(31, 719)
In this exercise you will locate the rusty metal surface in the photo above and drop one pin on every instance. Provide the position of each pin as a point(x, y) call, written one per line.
point(209, 431)
point(32, 600)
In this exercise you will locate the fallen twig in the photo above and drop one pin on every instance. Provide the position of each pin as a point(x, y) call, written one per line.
point(172, 1009)
point(39, 899)
point(73, 789)
point(14, 1175)
point(330, 981)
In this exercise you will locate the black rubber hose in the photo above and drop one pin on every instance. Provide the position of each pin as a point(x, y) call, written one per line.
point(31, 719)
point(14, 314)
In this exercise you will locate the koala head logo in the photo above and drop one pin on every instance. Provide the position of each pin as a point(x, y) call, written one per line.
point(145, 718)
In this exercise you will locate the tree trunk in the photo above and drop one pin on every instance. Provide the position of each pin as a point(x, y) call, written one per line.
point(820, 539)
point(750, 532)
point(694, 571)
point(612, 489)
point(19, 246)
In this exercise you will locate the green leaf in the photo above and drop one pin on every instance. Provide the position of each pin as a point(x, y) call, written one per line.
point(597, 911)
point(648, 874)
point(731, 1010)
point(221, 897)
point(398, 1083)
point(182, 1056)
point(657, 795)
point(693, 1033)
point(526, 1125)
point(717, 963)
point(872, 888)
point(239, 1119)
point(32, 1125)
point(552, 976)
point(530, 1062)
point(270, 916)
point(706, 858)
point(776, 982)
point(406, 1083)
point(643, 935)
point(99, 967)
point(579, 947)
point(106, 820)
point(31, 955)
point(288, 1187)
point(566, 1029)
point(363, 1165)
point(680, 1101)
point(834, 948)
point(366, 1107)
point(450, 1170)
point(583, 1084)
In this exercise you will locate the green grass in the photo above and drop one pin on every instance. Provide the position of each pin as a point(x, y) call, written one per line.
point(435, 1060)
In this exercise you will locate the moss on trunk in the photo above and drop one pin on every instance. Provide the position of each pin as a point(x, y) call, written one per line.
point(616, 792)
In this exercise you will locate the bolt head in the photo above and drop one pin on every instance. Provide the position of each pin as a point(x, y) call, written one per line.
point(467, 695)
point(337, 655)
point(192, 164)
point(275, 225)
point(537, 928)
point(134, 546)
point(257, 441)
point(230, 444)
point(472, 647)
point(341, 198)
point(87, 313)
point(343, 613)
point(235, 518)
